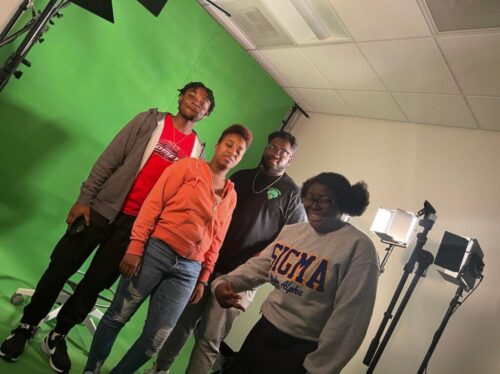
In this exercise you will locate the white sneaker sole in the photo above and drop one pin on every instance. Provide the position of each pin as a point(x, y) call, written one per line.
point(46, 350)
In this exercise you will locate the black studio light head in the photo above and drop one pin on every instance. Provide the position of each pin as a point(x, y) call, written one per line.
point(461, 258)
point(104, 8)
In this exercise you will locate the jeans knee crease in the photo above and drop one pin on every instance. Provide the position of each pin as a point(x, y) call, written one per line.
point(129, 304)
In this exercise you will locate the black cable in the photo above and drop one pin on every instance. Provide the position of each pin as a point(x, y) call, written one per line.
point(470, 293)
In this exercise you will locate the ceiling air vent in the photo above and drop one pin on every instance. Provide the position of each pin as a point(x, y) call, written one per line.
point(257, 23)
point(456, 15)
point(269, 23)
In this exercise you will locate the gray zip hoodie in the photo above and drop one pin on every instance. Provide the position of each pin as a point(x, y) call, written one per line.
point(325, 286)
point(114, 172)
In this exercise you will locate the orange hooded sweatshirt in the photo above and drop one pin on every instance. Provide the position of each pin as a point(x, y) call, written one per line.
point(182, 211)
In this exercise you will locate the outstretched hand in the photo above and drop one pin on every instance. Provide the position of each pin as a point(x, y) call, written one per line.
point(76, 211)
point(227, 297)
point(130, 264)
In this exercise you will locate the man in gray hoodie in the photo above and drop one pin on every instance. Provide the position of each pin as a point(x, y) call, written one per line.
point(103, 216)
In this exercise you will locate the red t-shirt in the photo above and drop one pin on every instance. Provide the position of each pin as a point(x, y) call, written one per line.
point(172, 146)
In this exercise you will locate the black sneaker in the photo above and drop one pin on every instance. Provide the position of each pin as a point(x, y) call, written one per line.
point(14, 345)
point(54, 345)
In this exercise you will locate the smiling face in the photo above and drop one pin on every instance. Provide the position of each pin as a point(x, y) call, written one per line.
point(230, 150)
point(194, 104)
point(322, 211)
point(277, 156)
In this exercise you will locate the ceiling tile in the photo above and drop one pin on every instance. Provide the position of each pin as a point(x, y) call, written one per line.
point(297, 98)
point(449, 110)
point(293, 65)
point(323, 101)
point(344, 67)
point(486, 110)
point(414, 65)
point(381, 19)
point(269, 68)
point(373, 104)
point(475, 62)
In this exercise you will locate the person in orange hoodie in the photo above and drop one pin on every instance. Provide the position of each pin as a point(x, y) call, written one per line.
point(174, 244)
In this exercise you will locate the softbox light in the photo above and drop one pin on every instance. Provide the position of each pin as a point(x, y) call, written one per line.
point(461, 259)
point(394, 226)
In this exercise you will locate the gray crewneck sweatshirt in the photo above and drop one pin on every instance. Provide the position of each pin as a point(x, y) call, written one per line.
point(325, 286)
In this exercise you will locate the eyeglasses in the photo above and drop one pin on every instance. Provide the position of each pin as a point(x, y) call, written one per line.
point(279, 151)
point(324, 202)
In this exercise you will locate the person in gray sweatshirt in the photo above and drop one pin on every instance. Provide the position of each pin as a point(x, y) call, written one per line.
point(103, 215)
point(324, 274)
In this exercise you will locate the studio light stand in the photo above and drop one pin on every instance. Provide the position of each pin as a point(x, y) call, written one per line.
point(35, 32)
point(419, 256)
point(454, 304)
point(39, 24)
point(452, 251)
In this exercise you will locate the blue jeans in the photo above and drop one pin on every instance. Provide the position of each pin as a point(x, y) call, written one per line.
point(169, 279)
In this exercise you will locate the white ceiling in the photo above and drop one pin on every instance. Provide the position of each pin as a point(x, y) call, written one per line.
point(396, 66)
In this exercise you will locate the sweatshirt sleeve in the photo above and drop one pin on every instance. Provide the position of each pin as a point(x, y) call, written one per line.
point(109, 160)
point(346, 327)
point(251, 274)
point(167, 186)
point(212, 253)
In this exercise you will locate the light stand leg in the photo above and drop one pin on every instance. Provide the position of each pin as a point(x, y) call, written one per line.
point(437, 335)
point(29, 41)
point(387, 316)
point(425, 259)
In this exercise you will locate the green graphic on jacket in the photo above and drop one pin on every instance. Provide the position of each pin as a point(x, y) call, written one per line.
point(273, 193)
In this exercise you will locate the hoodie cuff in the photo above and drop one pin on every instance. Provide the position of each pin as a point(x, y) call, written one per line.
point(204, 275)
point(136, 248)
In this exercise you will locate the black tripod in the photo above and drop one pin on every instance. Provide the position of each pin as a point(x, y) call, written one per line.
point(424, 259)
point(36, 30)
point(454, 304)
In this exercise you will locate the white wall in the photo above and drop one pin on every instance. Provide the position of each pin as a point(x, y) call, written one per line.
point(458, 171)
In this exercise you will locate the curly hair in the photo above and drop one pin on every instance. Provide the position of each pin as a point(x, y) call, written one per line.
point(194, 86)
point(241, 130)
point(352, 200)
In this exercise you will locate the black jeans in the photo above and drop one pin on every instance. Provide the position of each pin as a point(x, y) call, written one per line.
point(68, 256)
point(267, 350)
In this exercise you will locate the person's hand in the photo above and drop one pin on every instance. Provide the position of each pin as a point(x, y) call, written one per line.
point(227, 297)
point(197, 294)
point(76, 211)
point(129, 266)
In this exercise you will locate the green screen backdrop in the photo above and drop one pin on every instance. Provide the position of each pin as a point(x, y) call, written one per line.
point(88, 78)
